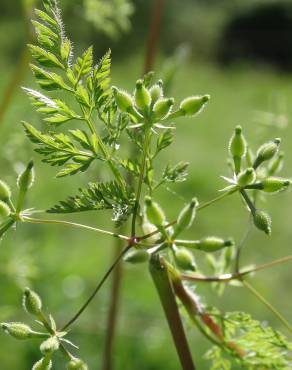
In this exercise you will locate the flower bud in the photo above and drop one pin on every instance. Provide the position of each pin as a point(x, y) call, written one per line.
point(17, 330)
point(262, 221)
point(43, 364)
point(276, 164)
point(162, 108)
point(137, 256)
point(5, 192)
point(237, 147)
point(50, 345)
point(32, 302)
point(274, 184)
point(246, 177)
point(193, 104)
point(4, 210)
point(154, 213)
point(26, 178)
point(123, 100)
point(184, 259)
point(142, 96)
point(266, 152)
point(212, 244)
point(77, 364)
point(156, 93)
point(186, 217)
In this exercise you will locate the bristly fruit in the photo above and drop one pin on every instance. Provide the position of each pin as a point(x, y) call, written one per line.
point(274, 184)
point(262, 221)
point(77, 364)
point(162, 108)
point(32, 302)
point(123, 100)
point(137, 256)
point(50, 345)
point(142, 96)
point(17, 330)
point(266, 151)
point(184, 259)
point(186, 217)
point(5, 191)
point(193, 104)
point(153, 212)
point(4, 210)
point(212, 244)
point(26, 178)
point(156, 93)
point(43, 364)
point(237, 148)
point(246, 177)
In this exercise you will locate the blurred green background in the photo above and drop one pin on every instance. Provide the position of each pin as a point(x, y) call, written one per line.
point(63, 265)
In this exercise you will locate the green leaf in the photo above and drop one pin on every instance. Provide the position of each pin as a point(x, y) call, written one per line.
point(48, 80)
point(99, 196)
point(262, 346)
point(164, 140)
point(45, 58)
point(83, 65)
point(58, 149)
point(177, 173)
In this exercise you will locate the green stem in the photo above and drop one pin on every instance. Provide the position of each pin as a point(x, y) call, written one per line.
point(140, 181)
point(268, 305)
point(72, 224)
point(164, 288)
point(96, 290)
point(235, 276)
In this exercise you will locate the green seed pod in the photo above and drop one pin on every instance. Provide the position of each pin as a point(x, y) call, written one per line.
point(212, 244)
point(77, 364)
point(154, 213)
point(17, 330)
point(32, 302)
point(156, 93)
point(148, 228)
point(249, 157)
point(4, 210)
point(142, 96)
point(184, 259)
point(5, 191)
point(26, 178)
point(276, 164)
point(186, 217)
point(193, 104)
point(43, 364)
point(246, 177)
point(137, 256)
point(162, 108)
point(237, 147)
point(266, 152)
point(274, 184)
point(50, 345)
point(123, 100)
point(262, 221)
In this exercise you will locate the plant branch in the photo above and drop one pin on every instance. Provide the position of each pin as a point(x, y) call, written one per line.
point(96, 290)
point(72, 224)
point(225, 278)
point(164, 288)
point(241, 245)
point(140, 182)
point(268, 305)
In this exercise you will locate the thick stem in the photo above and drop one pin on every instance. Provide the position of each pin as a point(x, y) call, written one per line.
point(157, 11)
point(165, 290)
